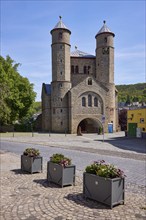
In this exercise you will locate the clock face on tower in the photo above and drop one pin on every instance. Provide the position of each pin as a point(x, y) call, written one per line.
point(105, 50)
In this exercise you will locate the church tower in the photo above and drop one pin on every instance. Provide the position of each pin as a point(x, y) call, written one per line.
point(61, 79)
point(82, 91)
point(105, 71)
point(105, 55)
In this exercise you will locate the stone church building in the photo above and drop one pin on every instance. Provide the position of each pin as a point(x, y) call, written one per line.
point(82, 94)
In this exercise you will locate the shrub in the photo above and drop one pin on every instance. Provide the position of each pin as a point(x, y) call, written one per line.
point(31, 152)
point(100, 130)
point(60, 159)
point(102, 169)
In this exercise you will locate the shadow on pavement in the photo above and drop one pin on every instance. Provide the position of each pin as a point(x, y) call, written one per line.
point(79, 199)
point(127, 143)
point(19, 171)
point(45, 183)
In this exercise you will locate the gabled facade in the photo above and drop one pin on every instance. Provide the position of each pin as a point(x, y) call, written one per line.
point(136, 122)
point(82, 92)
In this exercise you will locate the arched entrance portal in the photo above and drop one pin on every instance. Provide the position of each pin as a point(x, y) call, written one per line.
point(89, 125)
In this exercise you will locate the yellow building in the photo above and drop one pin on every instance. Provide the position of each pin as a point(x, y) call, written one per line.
point(136, 122)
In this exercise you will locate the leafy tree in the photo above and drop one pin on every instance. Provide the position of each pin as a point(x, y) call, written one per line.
point(132, 92)
point(37, 107)
point(144, 91)
point(128, 101)
point(135, 99)
point(16, 93)
point(123, 119)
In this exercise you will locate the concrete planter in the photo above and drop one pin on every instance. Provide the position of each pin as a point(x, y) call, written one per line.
point(31, 164)
point(60, 175)
point(107, 191)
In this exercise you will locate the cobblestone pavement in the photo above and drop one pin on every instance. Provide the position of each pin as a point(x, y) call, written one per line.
point(29, 197)
point(127, 153)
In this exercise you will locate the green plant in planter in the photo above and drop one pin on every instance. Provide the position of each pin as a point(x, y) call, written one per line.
point(31, 161)
point(104, 183)
point(60, 159)
point(31, 152)
point(100, 168)
point(60, 170)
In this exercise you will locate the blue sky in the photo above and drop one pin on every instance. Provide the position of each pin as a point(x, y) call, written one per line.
point(26, 38)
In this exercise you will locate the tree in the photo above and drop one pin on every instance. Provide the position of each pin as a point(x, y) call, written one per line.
point(135, 99)
point(16, 93)
point(123, 119)
point(134, 91)
point(128, 101)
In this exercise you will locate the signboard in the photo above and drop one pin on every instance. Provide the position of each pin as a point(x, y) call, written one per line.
point(103, 119)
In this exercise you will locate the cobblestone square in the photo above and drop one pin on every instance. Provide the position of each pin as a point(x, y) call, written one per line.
point(29, 197)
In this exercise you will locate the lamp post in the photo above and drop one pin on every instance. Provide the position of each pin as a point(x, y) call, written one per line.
point(103, 121)
point(13, 132)
point(32, 129)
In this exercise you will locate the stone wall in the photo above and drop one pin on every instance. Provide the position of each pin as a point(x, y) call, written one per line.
point(105, 58)
point(46, 111)
point(59, 105)
point(80, 95)
point(79, 112)
point(81, 62)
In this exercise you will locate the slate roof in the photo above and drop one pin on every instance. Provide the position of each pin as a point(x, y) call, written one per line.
point(47, 88)
point(78, 53)
point(104, 29)
point(60, 25)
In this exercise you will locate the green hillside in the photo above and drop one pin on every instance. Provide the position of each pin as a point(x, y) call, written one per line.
point(132, 93)
point(126, 93)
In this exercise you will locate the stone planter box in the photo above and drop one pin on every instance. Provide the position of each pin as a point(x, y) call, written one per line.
point(110, 192)
point(31, 164)
point(60, 175)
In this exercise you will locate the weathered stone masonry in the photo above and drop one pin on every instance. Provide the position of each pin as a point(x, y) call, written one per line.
point(82, 91)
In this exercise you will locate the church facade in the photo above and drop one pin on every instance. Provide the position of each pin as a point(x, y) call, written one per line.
point(82, 94)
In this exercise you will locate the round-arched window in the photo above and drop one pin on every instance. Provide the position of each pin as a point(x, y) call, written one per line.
point(89, 81)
